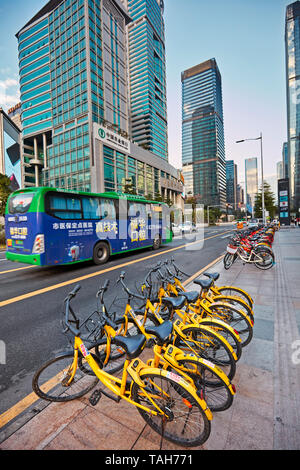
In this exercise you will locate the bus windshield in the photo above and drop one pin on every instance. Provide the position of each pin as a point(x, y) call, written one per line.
point(20, 203)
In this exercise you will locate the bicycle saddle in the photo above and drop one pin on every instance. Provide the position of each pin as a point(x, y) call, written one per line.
point(191, 296)
point(161, 332)
point(204, 283)
point(133, 346)
point(174, 302)
point(213, 276)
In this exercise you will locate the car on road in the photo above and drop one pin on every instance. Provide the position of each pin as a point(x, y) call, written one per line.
point(187, 227)
point(255, 223)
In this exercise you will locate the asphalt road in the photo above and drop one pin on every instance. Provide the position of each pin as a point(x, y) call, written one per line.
point(31, 300)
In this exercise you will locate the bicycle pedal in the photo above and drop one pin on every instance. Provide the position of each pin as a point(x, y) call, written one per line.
point(95, 397)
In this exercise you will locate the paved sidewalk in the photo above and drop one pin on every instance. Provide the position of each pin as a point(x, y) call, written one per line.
point(266, 409)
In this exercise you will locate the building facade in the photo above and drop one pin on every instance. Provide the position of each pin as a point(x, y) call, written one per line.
point(147, 75)
point(285, 160)
point(73, 75)
point(231, 183)
point(10, 161)
point(292, 47)
point(203, 148)
point(251, 183)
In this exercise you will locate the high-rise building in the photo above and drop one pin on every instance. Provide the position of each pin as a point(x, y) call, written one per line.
point(147, 75)
point(279, 170)
point(251, 183)
point(239, 195)
point(231, 183)
point(292, 47)
point(74, 102)
point(285, 160)
point(203, 147)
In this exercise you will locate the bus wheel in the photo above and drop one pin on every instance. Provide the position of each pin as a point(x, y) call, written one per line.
point(101, 253)
point(156, 242)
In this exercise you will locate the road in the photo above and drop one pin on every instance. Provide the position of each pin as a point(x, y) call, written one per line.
point(31, 300)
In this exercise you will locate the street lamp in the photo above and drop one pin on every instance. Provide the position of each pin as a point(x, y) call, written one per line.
point(262, 174)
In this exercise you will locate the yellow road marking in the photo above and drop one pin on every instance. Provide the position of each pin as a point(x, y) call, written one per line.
point(22, 405)
point(98, 273)
point(18, 269)
point(194, 276)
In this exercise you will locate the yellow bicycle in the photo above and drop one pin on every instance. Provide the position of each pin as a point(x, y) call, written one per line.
point(165, 400)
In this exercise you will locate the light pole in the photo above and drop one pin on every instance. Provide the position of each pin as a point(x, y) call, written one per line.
point(262, 174)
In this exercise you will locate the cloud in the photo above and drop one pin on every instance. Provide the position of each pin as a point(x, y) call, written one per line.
point(9, 93)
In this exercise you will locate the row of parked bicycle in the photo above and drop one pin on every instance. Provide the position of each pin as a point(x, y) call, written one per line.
point(253, 245)
point(194, 339)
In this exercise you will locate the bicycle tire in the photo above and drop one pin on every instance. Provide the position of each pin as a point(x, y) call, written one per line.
point(261, 264)
point(209, 382)
point(191, 421)
point(235, 302)
point(208, 345)
point(231, 337)
point(228, 290)
point(235, 318)
point(52, 373)
point(228, 260)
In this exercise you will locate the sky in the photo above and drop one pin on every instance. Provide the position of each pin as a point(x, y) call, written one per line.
point(246, 37)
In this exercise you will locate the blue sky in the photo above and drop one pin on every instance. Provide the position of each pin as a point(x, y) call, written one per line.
point(245, 37)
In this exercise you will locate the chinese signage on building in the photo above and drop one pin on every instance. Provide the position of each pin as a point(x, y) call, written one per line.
point(109, 137)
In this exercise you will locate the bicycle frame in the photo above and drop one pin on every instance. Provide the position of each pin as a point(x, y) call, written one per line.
point(135, 369)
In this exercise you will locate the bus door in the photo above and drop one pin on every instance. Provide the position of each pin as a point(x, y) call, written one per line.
point(138, 233)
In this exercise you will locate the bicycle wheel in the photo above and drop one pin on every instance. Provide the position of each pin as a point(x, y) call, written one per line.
point(50, 381)
point(265, 259)
point(208, 345)
point(209, 382)
point(228, 334)
point(235, 292)
point(184, 421)
point(228, 260)
point(235, 302)
point(236, 319)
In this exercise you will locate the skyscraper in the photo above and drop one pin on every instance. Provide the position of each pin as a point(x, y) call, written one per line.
point(231, 183)
point(285, 160)
point(251, 183)
point(147, 75)
point(292, 47)
point(203, 132)
point(74, 100)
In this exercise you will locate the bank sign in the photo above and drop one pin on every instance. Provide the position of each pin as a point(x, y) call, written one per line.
point(111, 138)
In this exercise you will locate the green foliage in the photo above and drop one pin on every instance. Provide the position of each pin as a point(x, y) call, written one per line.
point(4, 192)
point(270, 202)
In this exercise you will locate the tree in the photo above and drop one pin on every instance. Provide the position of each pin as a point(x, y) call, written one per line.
point(4, 192)
point(270, 202)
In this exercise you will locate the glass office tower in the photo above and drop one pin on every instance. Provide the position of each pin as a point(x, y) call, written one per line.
point(72, 62)
point(147, 75)
point(203, 144)
point(231, 183)
point(251, 183)
point(292, 45)
point(285, 160)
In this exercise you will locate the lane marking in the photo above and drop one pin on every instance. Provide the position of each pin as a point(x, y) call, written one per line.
point(19, 269)
point(98, 273)
point(26, 402)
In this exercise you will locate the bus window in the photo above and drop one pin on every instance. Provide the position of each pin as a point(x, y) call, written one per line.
point(64, 206)
point(108, 209)
point(91, 208)
point(137, 210)
point(20, 203)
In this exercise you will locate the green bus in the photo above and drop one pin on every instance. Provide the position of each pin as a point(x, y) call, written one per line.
point(47, 226)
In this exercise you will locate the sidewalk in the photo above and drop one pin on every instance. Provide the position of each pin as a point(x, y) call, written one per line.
point(265, 414)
